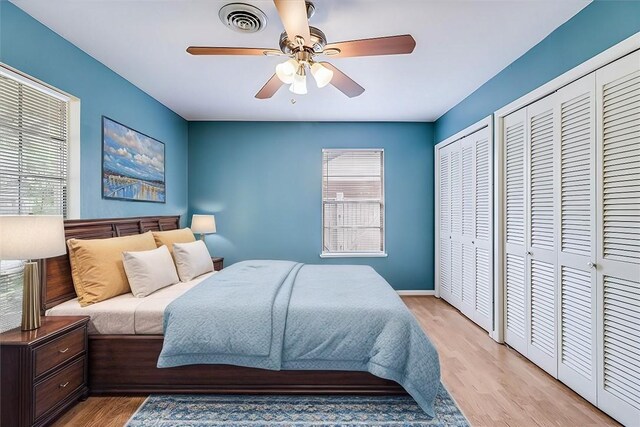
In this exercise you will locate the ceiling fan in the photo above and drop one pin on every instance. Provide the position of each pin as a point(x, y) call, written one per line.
point(302, 43)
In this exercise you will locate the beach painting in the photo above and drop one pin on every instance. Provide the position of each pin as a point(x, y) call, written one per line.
point(132, 164)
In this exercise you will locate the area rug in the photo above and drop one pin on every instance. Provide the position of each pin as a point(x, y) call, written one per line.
point(284, 410)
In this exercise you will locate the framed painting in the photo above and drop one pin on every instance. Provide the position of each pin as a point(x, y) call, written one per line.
point(132, 164)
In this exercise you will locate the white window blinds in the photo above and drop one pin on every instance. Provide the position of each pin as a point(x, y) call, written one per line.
point(353, 202)
point(33, 168)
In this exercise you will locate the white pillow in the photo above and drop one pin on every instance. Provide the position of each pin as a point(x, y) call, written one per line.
point(149, 271)
point(192, 259)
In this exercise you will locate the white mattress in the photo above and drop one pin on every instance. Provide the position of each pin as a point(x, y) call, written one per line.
point(126, 314)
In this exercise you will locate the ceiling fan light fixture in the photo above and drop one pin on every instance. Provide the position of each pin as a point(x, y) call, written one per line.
point(299, 85)
point(321, 74)
point(287, 70)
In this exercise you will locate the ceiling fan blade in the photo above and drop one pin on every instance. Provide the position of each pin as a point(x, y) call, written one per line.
point(293, 14)
point(270, 88)
point(343, 82)
point(392, 45)
point(206, 50)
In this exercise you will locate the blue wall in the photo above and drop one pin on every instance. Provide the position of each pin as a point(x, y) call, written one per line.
point(594, 29)
point(32, 48)
point(263, 182)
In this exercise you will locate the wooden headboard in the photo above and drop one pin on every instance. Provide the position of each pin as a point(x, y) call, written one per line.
point(55, 277)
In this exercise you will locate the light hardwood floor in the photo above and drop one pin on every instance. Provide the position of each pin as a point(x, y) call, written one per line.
point(492, 384)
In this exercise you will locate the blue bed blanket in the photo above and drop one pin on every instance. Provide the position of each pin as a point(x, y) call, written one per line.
point(287, 315)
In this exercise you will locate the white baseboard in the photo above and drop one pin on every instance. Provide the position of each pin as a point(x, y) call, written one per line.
point(416, 293)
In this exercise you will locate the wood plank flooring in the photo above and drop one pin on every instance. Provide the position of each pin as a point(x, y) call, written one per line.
point(492, 384)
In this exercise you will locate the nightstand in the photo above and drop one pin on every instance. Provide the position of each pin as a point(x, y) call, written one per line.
point(44, 371)
point(217, 263)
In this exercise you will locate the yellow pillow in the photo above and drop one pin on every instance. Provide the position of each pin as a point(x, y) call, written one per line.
point(97, 268)
point(168, 238)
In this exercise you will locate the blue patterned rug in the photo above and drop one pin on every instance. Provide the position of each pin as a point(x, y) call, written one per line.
point(283, 410)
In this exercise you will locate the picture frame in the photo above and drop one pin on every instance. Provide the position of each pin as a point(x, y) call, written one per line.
point(133, 164)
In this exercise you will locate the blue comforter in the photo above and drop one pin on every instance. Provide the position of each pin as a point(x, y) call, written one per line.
point(287, 315)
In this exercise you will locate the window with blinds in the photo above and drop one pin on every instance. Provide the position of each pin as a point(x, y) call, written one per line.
point(353, 202)
point(33, 168)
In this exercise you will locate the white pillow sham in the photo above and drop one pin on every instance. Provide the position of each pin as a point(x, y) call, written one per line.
point(149, 271)
point(192, 259)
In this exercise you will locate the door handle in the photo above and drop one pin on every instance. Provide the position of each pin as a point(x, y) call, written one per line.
point(592, 264)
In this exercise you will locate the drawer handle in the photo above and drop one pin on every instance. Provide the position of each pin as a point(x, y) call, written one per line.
point(64, 350)
point(64, 385)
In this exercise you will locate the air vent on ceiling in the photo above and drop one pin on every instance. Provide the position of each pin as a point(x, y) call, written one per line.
point(243, 18)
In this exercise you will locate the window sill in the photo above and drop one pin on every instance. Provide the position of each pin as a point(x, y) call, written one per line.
point(353, 255)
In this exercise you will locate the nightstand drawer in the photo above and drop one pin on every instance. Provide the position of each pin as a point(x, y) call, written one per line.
point(53, 390)
point(59, 350)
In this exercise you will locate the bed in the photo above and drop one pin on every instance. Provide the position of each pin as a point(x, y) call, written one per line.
point(124, 361)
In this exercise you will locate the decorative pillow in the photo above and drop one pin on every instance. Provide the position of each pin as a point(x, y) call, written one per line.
point(192, 259)
point(168, 238)
point(149, 271)
point(97, 268)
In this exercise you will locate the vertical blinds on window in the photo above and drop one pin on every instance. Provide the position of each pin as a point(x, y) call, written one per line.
point(353, 201)
point(33, 169)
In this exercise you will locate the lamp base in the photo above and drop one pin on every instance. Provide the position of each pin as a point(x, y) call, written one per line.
point(31, 297)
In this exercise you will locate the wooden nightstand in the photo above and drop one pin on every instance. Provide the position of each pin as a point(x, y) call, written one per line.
point(44, 371)
point(217, 263)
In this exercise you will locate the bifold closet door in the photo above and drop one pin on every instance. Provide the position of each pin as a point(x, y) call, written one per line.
point(455, 194)
point(482, 235)
point(515, 272)
point(444, 213)
point(540, 238)
point(618, 221)
point(467, 236)
point(576, 201)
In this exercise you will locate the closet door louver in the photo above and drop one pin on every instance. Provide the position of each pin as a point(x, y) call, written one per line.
point(576, 252)
point(618, 228)
point(483, 230)
point(444, 201)
point(468, 297)
point(456, 224)
point(540, 237)
point(515, 273)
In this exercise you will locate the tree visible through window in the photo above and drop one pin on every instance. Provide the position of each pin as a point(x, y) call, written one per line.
point(33, 168)
point(353, 202)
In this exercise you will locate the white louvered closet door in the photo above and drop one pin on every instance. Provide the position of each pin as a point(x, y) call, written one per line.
point(444, 213)
point(483, 233)
point(541, 237)
point(515, 272)
point(455, 165)
point(575, 199)
point(467, 181)
point(618, 228)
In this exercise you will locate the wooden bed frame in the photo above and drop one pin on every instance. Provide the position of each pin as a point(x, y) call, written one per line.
point(126, 364)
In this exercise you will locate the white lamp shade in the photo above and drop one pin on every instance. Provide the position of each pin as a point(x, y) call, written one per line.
point(287, 70)
point(25, 237)
point(299, 85)
point(322, 74)
point(203, 224)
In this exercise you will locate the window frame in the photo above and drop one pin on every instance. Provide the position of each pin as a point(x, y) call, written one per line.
point(383, 252)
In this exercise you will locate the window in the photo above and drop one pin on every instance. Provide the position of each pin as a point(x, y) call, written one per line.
point(353, 203)
point(34, 163)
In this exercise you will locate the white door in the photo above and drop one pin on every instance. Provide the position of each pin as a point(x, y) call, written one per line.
point(541, 236)
point(455, 165)
point(515, 273)
point(468, 293)
point(483, 233)
point(618, 228)
point(444, 213)
point(575, 198)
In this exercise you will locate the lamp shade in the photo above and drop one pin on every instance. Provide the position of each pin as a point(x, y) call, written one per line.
point(203, 224)
point(25, 237)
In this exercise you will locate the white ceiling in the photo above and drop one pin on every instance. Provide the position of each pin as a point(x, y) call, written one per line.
point(460, 45)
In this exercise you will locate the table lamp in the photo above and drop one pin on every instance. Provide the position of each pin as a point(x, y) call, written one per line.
point(29, 238)
point(203, 224)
